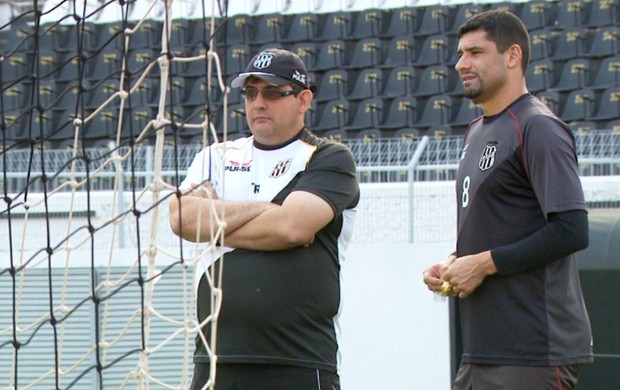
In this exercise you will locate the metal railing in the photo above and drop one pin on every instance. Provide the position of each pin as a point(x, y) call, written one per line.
point(380, 160)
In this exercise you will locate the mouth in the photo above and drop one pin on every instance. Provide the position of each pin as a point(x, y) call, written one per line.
point(467, 78)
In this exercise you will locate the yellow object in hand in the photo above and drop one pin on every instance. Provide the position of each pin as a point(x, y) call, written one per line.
point(446, 288)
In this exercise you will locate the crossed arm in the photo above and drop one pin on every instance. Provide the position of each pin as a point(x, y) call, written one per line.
point(250, 225)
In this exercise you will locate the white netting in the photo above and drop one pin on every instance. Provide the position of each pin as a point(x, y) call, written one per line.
point(92, 298)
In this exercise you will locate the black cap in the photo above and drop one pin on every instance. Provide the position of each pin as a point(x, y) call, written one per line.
point(277, 67)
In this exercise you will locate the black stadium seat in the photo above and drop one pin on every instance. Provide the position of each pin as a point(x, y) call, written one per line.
point(334, 85)
point(303, 27)
point(571, 43)
point(540, 75)
point(367, 24)
point(606, 42)
point(403, 21)
point(538, 14)
point(365, 52)
point(435, 50)
point(331, 55)
point(335, 25)
point(437, 111)
point(268, 28)
point(368, 84)
point(335, 114)
point(466, 111)
point(436, 79)
point(574, 74)
point(603, 13)
point(236, 29)
point(400, 82)
point(307, 51)
point(608, 74)
point(579, 105)
point(608, 106)
point(368, 114)
point(552, 99)
point(542, 44)
point(402, 112)
point(436, 19)
point(571, 13)
point(400, 51)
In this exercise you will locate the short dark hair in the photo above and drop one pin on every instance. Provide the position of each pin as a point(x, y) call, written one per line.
point(502, 27)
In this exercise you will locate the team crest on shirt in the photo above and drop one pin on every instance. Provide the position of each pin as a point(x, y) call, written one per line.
point(281, 168)
point(488, 156)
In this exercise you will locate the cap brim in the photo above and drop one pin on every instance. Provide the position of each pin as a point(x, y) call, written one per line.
point(272, 79)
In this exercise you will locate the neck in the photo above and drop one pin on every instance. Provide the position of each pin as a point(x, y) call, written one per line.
point(503, 98)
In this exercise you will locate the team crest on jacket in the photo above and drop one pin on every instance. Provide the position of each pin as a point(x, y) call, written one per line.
point(281, 168)
point(488, 157)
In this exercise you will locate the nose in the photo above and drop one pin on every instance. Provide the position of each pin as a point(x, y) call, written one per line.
point(461, 64)
point(258, 101)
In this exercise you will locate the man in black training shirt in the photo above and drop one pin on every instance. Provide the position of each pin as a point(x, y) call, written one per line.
point(288, 200)
point(521, 218)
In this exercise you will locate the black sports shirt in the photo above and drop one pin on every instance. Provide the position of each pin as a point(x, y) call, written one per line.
point(279, 307)
point(516, 168)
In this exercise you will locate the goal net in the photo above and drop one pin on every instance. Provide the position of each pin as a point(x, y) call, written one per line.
point(103, 106)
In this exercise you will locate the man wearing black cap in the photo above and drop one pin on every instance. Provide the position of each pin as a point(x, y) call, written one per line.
point(288, 203)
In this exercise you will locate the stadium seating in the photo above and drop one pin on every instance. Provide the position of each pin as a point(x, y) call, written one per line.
point(553, 100)
point(401, 113)
point(392, 55)
point(400, 82)
point(576, 74)
point(582, 126)
point(400, 51)
point(403, 21)
point(603, 13)
point(268, 28)
point(307, 51)
point(540, 75)
point(466, 111)
point(331, 55)
point(608, 74)
point(303, 27)
point(368, 23)
point(608, 106)
point(334, 85)
point(606, 42)
point(336, 114)
point(580, 105)
point(435, 50)
point(571, 43)
point(537, 14)
point(337, 25)
point(437, 111)
point(572, 13)
point(435, 79)
point(369, 114)
point(368, 84)
point(366, 52)
point(542, 44)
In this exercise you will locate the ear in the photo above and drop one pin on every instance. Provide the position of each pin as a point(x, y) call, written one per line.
point(514, 54)
point(305, 97)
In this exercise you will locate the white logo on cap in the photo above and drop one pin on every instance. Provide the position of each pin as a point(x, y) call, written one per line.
point(263, 60)
point(299, 77)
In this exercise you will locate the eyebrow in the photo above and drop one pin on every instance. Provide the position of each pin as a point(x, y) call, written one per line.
point(475, 47)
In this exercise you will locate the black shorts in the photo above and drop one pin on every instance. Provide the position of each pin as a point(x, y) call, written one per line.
point(265, 377)
point(492, 377)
